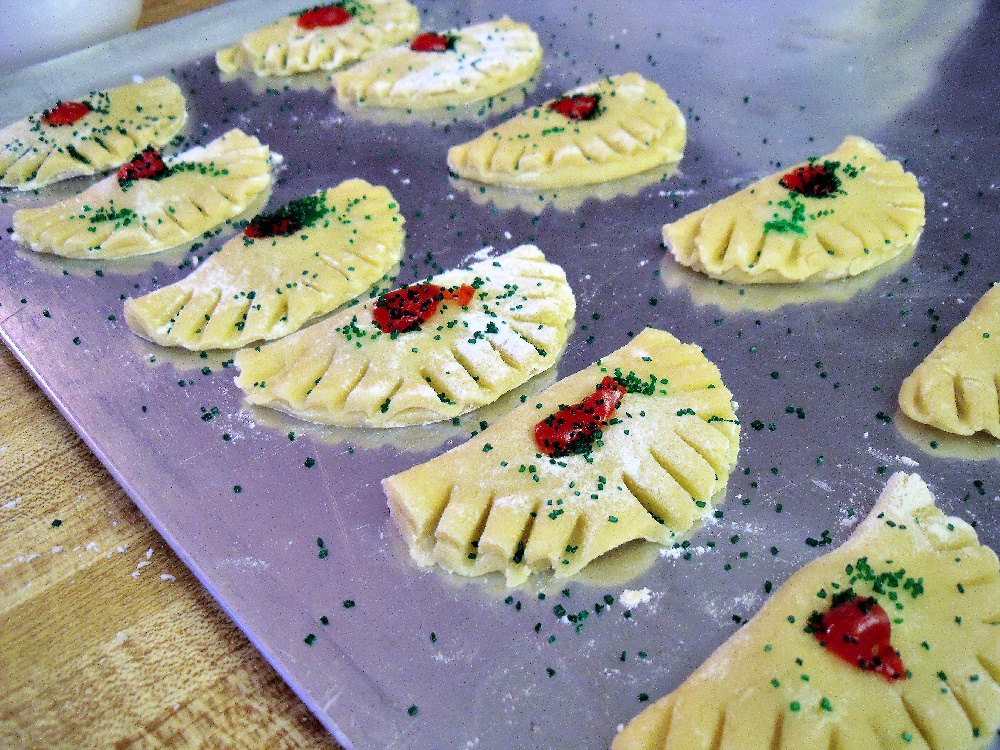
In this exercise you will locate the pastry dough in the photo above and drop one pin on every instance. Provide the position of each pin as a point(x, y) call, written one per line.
point(121, 122)
point(284, 47)
point(497, 504)
point(482, 60)
point(200, 189)
point(345, 371)
point(634, 127)
point(772, 685)
point(957, 388)
point(268, 287)
point(768, 233)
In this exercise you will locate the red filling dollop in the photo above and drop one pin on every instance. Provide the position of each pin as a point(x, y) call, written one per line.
point(146, 164)
point(579, 107)
point(405, 309)
point(431, 42)
point(574, 426)
point(324, 16)
point(271, 226)
point(813, 179)
point(858, 631)
point(66, 113)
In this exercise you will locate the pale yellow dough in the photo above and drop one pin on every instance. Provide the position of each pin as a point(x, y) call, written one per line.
point(772, 686)
point(206, 186)
point(638, 128)
point(266, 288)
point(284, 48)
point(957, 388)
point(487, 59)
point(123, 121)
point(495, 504)
point(345, 371)
point(747, 238)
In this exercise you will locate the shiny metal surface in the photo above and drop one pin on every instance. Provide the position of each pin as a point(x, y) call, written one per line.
point(486, 667)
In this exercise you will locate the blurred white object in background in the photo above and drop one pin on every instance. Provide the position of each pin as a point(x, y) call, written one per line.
point(35, 30)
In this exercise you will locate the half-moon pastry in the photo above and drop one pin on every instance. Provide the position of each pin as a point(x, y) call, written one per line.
point(957, 387)
point(437, 69)
point(612, 128)
point(423, 353)
point(292, 265)
point(637, 446)
point(101, 131)
point(827, 218)
point(153, 203)
point(890, 641)
point(325, 37)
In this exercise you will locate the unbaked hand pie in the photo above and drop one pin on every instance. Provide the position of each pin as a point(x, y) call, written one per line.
point(101, 131)
point(612, 128)
point(422, 353)
point(451, 67)
point(153, 203)
point(957, 387)
point(637, 446)
point(292, 265)
point(827, 218)
point(890, 641)
point(324, 37)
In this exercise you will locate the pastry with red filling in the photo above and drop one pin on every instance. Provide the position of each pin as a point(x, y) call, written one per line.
point(831, 217)
point(612, 128)
point(890, 641)
point(323, 37)
point(423, 353)
point(89, 135)
point(290, 265)
point(639, 445)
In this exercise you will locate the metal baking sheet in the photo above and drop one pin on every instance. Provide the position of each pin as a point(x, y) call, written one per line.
point(424, 659)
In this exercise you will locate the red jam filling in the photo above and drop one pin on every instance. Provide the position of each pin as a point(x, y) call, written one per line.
point(431, 42)
point(271, 226)
point(405, 309)
point(65, 113)
point(815, 180)
point(323, 16)
point(147, 164)
point(573, 427)
point(579, 107)
point(858, 631)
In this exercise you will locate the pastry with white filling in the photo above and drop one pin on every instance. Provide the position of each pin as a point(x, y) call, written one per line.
point(451, 67)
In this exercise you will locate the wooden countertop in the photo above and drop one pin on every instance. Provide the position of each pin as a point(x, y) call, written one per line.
point(108, 641)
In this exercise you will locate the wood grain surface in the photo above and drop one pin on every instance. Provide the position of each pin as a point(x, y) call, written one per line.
point(106, 639)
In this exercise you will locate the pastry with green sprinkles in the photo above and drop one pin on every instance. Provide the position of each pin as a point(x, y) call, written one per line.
point(446, 68)
point(828, 218)
point(613, 128)
point(324, 37)
point(639, 445)
point(153, 203)
point(292, 265)
point(890, 641)
point(957, 387)
point(99, 132)
point(423, 353)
